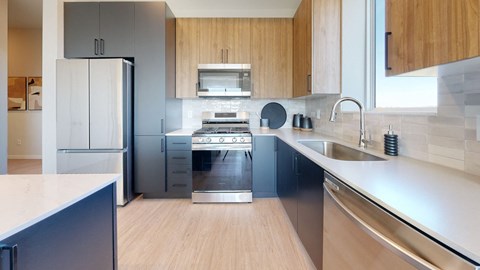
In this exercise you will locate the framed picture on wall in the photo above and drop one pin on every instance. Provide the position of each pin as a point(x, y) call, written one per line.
point(17, 93)
point(34, 93)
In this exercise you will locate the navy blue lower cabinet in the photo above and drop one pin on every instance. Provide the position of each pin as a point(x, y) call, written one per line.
point(264, 182)
point(82, 236)
point(179, 167)
point(287, 179)
point(310, 208)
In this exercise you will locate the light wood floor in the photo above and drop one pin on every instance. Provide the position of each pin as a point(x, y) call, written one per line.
point(176, 234)
point(24, 166)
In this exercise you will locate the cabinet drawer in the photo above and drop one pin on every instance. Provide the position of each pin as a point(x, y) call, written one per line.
point(179, 173)
point(179, 157)
point(179, 188)
point(179, 143)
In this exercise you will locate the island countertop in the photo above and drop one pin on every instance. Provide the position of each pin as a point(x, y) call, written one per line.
point(28, 199)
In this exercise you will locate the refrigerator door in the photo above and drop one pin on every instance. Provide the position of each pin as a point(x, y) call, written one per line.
point(96, 162)
point(72, 104)
point(107, 98)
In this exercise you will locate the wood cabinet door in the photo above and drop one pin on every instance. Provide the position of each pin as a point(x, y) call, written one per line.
point(210, 43)
point(427, 33)
point(326, 66)
point(236, 40)
point(302, 50)
point(272, 58)
point(187, 55)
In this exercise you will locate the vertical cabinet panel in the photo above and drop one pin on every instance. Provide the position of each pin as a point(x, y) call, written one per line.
point(264, 166)
point(81, 29)
point(310, 208)
point(286, 180)
point(149, 69)
point(427, 33)
point(149, 164)
point(72, 102)
point(187, 57)
point(211, 41)
point(106, 103)
point(272, 57)
point(302, 50)
point(116, 29)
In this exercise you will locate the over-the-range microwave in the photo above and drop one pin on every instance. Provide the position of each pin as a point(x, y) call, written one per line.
point(224, 80)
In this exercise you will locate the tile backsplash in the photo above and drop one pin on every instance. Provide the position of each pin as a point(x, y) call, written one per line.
point(193, 108)
point(448, 138)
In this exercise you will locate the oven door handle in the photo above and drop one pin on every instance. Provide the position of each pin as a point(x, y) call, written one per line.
point(233, 147)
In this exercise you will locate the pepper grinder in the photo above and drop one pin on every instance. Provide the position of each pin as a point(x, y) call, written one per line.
point(391, 142)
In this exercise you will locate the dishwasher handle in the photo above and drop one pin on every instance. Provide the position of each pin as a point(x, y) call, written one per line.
point(385, 241)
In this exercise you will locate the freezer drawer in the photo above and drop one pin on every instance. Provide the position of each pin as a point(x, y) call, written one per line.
point(84, 163)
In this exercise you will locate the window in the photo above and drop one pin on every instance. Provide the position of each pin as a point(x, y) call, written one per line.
point(398, 92)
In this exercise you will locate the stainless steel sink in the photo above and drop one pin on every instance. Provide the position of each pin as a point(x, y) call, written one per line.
point(339, 151)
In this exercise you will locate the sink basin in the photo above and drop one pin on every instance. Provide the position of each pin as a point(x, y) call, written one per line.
point(339, 151)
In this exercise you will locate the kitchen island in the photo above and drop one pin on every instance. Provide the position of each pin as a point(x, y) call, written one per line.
point(58, 221)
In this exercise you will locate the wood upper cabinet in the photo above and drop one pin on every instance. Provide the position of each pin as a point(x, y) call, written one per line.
point(427, 33)
point(187, 57)
point(224, 41)
point(272, 58)
point(317, 48)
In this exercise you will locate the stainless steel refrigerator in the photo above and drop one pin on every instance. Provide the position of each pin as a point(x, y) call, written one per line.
point(94, 119)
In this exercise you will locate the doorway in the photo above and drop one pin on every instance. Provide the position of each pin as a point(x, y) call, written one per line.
point(24, 87)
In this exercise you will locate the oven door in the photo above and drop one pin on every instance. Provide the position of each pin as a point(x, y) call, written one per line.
point(222, 175)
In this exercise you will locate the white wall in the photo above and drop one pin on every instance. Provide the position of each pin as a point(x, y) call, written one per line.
point(3, 85)
point(24, 127)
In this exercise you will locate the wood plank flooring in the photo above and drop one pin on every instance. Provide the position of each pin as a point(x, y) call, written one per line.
point(176, 234)
point(24, 166)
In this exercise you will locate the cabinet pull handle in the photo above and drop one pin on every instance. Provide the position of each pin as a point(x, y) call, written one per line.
point(296, 165)
point(102, 46)
point(180, 172)
point(309, 83)
point(162, 147)
point(95, 46)
point(161, 125)
point(227, 56)
point(387, 66)
point(179, 158)
point(179, 185)
point(179, 143)
point(13, 255)
point(223, 58)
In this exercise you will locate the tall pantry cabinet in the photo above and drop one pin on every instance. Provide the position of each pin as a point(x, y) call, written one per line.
point(143, 32)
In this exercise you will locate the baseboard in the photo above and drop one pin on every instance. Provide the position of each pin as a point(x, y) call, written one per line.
point(24, 156)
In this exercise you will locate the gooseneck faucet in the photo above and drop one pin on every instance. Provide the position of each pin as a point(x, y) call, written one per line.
point(362, 141)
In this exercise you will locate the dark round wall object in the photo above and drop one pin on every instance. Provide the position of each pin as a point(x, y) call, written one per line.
point(275, 113)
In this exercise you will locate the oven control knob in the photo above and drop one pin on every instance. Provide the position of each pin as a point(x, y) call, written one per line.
point(242, 139)
point(208, 140)
point(234, 139)
point(221, 139)
point(200, 139)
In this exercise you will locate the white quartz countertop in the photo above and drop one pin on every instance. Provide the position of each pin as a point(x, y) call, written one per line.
point(28, 199)
point(442, 202)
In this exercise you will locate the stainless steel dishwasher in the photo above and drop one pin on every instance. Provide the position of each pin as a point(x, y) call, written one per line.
point(358, 234)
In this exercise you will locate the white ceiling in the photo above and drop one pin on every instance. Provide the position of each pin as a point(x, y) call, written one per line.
point(28, 13)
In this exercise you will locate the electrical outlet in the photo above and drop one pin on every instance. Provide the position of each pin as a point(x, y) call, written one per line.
point(318, 114)
point(19, 142)
point(189, 114)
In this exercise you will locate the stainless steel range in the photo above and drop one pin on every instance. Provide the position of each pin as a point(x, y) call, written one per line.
point(221, 158)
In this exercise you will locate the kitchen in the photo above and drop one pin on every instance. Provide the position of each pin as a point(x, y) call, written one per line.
point(422, 137)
